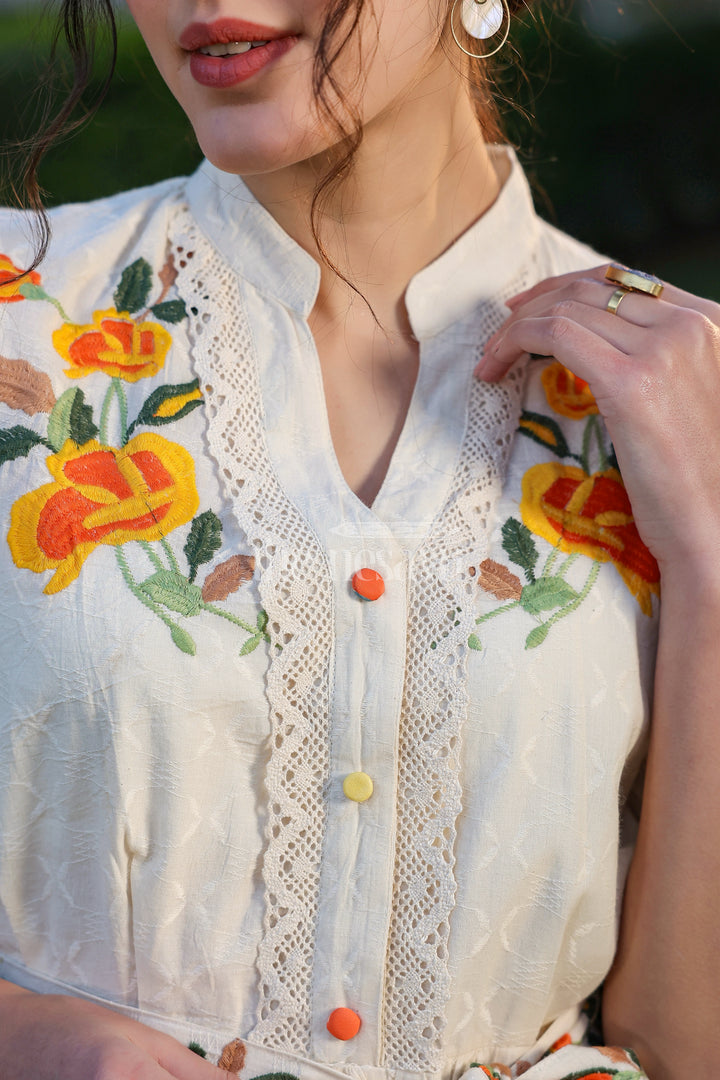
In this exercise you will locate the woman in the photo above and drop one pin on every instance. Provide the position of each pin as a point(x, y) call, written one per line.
point(313, 741)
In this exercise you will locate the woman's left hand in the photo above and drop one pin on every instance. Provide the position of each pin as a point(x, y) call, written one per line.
point(654, 370)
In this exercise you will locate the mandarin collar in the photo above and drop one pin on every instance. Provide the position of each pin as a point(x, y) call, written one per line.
point(474, 268)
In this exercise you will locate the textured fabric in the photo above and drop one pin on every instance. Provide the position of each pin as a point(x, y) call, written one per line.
point(186, 675)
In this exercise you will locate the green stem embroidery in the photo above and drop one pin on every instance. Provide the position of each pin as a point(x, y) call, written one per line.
point(58, 307)
point(587, 437)
point(497, 611)
point(602, 452)
point(105, 414)
point(180, 637)
point(574, 604)
point(233, 619)
point(36, 292)
point(175, 565)
point(152, 554)
point(122, 403)
point(114, 390)
point(550, 562)
point(568, 563)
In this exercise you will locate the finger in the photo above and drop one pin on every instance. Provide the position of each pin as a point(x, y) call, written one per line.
point(584, 293)
point(671, 293)
point(586, 353)
point(183, 1064)
point(626, 337)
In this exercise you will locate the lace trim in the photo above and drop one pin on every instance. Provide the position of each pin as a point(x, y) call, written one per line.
point(435, 702)
point(296, 591)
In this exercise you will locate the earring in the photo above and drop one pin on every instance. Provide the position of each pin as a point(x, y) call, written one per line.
point(481, 19)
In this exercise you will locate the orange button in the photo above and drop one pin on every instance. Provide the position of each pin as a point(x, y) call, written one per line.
point(368, 584)
point(344, 1024)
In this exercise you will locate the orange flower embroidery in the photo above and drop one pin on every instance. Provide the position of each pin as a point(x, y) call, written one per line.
point(10, 293)
point(101, 495)
point(567, 394)
point(590, 515)
point(114, 343)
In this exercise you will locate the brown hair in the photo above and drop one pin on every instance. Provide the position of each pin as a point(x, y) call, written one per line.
point(81, 24)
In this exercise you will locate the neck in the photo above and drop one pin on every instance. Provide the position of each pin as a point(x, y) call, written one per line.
point(421, 177)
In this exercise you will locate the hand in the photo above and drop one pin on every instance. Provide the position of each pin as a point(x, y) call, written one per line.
point(50, 1037)
point(654, 370)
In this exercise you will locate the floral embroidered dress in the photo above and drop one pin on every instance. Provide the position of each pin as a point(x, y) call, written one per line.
point(318, 834)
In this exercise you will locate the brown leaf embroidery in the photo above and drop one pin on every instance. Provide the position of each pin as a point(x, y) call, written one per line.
point(232, 1058)
point(228, 577)
point(168, 274)
point(617, 1055)
point(24, 387)
point(498, 580)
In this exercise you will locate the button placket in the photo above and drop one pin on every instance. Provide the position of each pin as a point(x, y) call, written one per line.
point(356, 884)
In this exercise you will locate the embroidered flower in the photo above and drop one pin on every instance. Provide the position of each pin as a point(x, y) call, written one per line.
point(101, 495)
point(591, 515)
point(567, 394)
point(115, 344)
point(9, 289)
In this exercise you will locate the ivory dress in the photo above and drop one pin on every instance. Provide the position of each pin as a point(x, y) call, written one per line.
point(188, 676)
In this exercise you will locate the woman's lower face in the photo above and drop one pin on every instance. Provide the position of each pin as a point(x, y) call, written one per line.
point(253, 107)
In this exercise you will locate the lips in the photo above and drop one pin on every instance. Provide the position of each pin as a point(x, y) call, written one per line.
point(226, 71)
point(221, 32)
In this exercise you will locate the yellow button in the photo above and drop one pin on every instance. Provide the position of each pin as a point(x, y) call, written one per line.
point(358, 786)
point(368, 583)
point(344, 1024)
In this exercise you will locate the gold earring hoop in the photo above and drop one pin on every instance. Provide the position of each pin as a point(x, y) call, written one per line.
point(485, 55)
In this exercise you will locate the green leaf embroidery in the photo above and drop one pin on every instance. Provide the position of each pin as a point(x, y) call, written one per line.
point(262, 621)
point(148, 415)
point(546, 594)
point(544, 430)
point(474, 643)
point(251, 644)
point(171, 311)
point(276, 1076)
point(182, 639)
point(520, 546)
point(538, 635)
point(134, 288)
point(71, 418)
point(173, 591)
point(17, 442)
point(33, 292)
point(204, 539)
point(197, 1049)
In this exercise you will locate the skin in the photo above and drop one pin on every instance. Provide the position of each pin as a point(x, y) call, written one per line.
point(655, 372)
point(423, 176)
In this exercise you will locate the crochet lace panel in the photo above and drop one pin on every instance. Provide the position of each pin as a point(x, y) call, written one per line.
point(435, 701)
point(296, 590)
point(295, 587)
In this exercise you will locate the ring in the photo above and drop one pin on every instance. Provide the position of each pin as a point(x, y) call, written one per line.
point(634, 280)
point(614, 302)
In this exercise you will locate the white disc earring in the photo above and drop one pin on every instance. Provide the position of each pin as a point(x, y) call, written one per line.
point(481, 19)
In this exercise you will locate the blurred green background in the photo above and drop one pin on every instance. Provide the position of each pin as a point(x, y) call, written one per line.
point(615, 110)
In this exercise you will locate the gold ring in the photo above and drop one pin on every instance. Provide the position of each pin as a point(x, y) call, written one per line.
point(614, 302)
point(634, 280)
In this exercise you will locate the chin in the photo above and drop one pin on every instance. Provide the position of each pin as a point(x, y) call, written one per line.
point(263, 142)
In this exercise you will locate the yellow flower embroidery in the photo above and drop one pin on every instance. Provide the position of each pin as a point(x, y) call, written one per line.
point(101, 495)
point(114, 343)
point(591, 515)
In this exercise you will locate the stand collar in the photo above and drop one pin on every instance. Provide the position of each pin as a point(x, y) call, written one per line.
point(475, 267)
